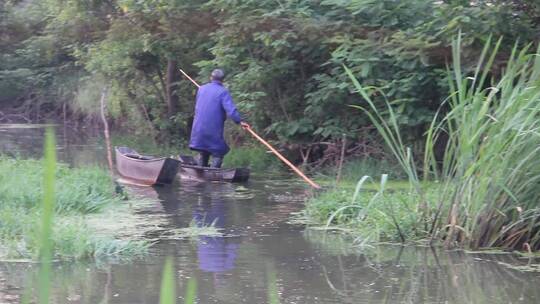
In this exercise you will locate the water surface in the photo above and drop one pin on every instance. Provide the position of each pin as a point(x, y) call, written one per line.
point(310, 267)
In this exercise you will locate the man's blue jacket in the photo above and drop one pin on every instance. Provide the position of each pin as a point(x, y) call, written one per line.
point(214, 104)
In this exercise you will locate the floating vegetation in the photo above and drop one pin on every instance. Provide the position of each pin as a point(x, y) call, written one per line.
point(133, 224)
point(524, 268)
point(240, 192)
point(194, 230)
point(287, 197)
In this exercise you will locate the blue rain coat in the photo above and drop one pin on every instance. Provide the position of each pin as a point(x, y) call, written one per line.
point(214, 104)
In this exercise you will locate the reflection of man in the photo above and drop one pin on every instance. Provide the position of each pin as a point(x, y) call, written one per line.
point(215, 254)
point(213, 104)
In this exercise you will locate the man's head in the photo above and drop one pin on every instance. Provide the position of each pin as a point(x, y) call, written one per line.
point(217, 75)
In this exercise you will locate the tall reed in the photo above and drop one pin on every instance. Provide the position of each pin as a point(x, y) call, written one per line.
point(490, 171)
point(491, 160)
point(45, 251)
point(167, 293)
point(272, 290)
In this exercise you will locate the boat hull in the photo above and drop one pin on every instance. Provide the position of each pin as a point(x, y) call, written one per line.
point(189, 171)
point(145, 170)
point(234, 175)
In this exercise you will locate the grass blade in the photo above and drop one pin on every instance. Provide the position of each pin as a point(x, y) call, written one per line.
point(167, 294)
point(191, 291)
point(273, 294)
point(45, 252)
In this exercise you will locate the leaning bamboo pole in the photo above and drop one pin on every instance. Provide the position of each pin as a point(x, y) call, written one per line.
point(106, 130)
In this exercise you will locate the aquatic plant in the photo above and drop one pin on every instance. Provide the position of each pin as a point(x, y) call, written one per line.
point(53, 240)
point(490, 171)
point(272, 289)
point(46, 246)
point(167, 294)
point(191, 291)
point(490, 166)
point(194, 230)
point(78, 191)
point(370, 212)
point(79, 194)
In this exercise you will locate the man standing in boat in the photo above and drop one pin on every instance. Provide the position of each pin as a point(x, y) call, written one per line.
point(214, 103)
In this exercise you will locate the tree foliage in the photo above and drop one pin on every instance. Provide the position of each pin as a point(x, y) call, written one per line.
point(284, 58)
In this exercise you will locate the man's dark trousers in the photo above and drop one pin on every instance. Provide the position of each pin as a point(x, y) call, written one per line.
point(204, 157)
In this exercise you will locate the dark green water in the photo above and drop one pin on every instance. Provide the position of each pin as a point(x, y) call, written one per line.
point(310, 267)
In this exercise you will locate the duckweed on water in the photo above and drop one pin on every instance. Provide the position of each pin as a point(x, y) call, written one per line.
point(82, 194)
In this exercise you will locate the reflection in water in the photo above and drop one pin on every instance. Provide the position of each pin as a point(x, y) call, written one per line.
point(74, 146)
point(310, 267)
point(425, 275)
point(215, 254)
point(8, 293)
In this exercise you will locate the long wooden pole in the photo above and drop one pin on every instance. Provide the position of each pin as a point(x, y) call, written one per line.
point(106, 130)
point(187, 76)
point(264, 142)
point(341, 158)
point(287, 162)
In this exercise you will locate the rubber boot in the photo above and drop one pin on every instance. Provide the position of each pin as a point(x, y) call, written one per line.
point(216, 162)
point(203, 158)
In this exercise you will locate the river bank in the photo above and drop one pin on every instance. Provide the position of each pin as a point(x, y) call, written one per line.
point(87, 203)
point(481, 192)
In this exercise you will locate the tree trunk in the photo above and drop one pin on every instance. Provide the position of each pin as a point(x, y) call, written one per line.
point(173, 101)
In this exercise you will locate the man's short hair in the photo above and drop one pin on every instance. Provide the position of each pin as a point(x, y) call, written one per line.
point(218, 75)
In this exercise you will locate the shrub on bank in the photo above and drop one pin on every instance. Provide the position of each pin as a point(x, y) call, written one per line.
point(256, 158)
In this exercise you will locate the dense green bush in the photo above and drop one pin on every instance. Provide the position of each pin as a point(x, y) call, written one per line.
point(284, 58)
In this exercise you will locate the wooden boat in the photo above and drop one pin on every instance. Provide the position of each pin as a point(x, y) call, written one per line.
point(189, 170)
point(143, 169)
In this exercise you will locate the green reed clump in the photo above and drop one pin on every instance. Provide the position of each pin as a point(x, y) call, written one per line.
point(491, 168)
point(78, 192)
point(490, 172)
point(371, 212)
